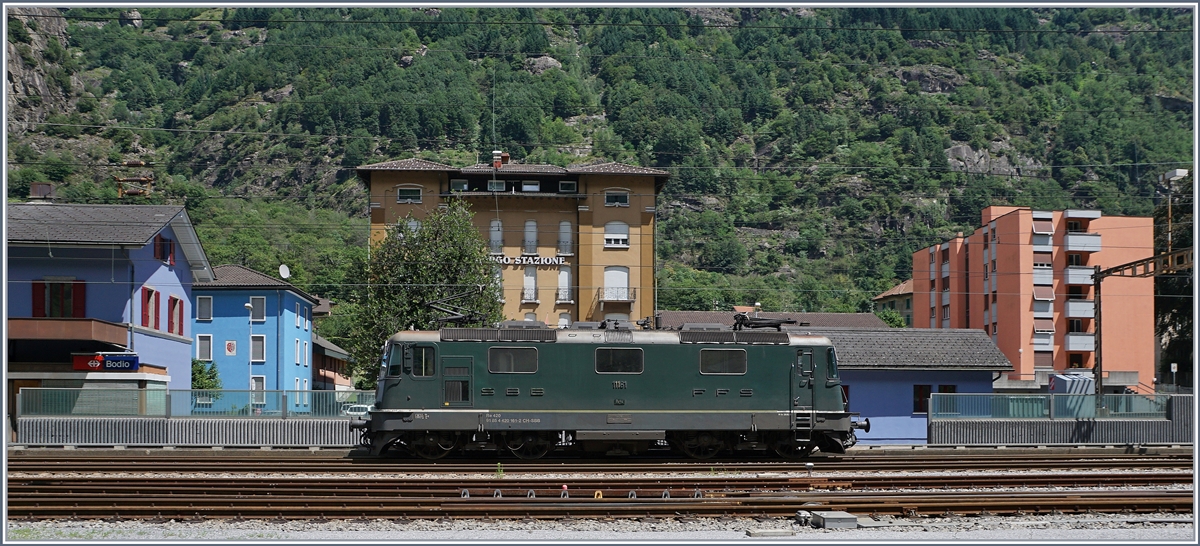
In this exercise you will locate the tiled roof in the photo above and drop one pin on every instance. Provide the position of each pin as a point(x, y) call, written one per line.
point(676, 319)
point(237, 277)
point(413, 164)
point(330, 348)
point(87, 224)
point(614, 167)
point(486, 168)
point(912, 348)
point(902, 288)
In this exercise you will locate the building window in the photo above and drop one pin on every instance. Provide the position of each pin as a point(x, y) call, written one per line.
point(531, 185)
point(1075, 259)
point(258, 386)
point(616, 284)
point(531, 237)
point(1075, 293)
point(164, 249)
point(59, 299)
point(947, 389)
point(305, 393)
point(529, 289)
point(496, 237)
point(616, 235)
point(297, 388)
point(616, 199)
point(1075, 325)
point(993, 266)
point(564, 284)
point(564, 320)
point(945, 255)
point(204, 347)
point(297, 352)
point(945, 312)
point(204, 308)
point(567, 186)
point(908, 303)
point(458, 184)
point(921, 398)
point(258, 306)
point(149, 308)
point(258, 348)
point(298, 317)
point(1074, 226)
point(1042, 260)
point(175, 315)
point(565, 238)
point(408, 195)
point(305, 354)
point(307, 318)
point(1075, 360)
point(530, 317)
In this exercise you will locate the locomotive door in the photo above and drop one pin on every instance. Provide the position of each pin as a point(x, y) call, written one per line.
point(802, 382)
point(456, 380)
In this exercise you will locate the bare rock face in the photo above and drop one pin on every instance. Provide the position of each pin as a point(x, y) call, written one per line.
point(963, 158)
point(537, 65)
point(130, 19)
point(32, 96)
point(933, 79)
point(277, 95)
point(406, 61)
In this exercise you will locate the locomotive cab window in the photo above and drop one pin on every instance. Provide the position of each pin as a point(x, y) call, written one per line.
point(423, 362)
point(831, 361)
point(723, 361)
point(512, 360)
point(629, 361)
point(395, 361)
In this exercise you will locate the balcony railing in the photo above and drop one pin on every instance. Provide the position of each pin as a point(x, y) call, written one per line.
point(529, 295)
point(1082, 242)
point(1081, 309)
point(1045, 406)
point(530, 247)
point(1079, 274)
point(1079, 342)
point(565, 248)
point(182, 404)
point(496, 247)
point(617, 294)
point(563, 295)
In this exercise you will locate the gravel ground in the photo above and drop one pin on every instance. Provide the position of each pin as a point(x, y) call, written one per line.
point(1158, 528)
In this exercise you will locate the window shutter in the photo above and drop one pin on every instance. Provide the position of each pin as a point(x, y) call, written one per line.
point(79, 299)
point(39, 299)
point(158, 247)
point(171, 251)
point(156, 310)
point(145, 307)
point(171, 315)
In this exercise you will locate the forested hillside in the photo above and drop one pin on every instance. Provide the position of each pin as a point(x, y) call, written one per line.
point(812, 150)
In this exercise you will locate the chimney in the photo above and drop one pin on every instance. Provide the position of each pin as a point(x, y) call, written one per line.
point(41, 190)
point(497, 158)
point(504, 158)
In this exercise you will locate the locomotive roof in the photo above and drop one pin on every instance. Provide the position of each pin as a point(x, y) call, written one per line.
point(608, 337)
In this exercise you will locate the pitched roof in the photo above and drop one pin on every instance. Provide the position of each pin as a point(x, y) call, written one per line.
point(905, 287)
point(486, 168)
point(231, 276)
point(912, 348)
point(121, 225)
point(330, 348)
point(676, 319)
point(413, 164)
point(614, 167)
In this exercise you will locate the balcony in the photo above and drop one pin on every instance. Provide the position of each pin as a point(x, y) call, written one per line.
point(529, 248)
point(616, 294)
point(1078, 275)
point(1041, 309)
point(496, 247)
point(1082, 242)
point(1043, 243)
point(1079, 342)
point(1043, 275)
point(563, 295)
point(565, 248)
point(529, 295)
point(1081, 309)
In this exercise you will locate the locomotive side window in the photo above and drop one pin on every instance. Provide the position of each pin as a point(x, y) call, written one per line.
point(723, 361)
point(831, 359)
point(423, 362)
point(512, 360)
point(619, 361)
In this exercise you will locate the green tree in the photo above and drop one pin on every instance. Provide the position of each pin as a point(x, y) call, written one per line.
point(891, 317)
point(1174, 306)
point(205, 376)
point(415, 265)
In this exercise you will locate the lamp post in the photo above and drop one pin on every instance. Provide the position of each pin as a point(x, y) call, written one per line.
point(250, 347)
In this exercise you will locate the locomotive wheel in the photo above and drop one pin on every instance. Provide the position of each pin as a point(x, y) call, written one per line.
point(789, 449)
point(701, 445)
point(433, 445)
point(529, 445)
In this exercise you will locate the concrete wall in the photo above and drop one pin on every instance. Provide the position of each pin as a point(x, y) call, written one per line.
point(886, 398)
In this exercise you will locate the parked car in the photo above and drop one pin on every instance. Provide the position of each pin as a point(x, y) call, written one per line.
point(357, 410)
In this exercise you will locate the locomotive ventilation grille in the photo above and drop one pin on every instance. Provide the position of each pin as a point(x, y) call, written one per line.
point(753, 338)
point(493, 334)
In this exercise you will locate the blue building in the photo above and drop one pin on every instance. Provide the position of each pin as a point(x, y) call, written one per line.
point(889, 373)
point(86, 280)
point(258, 331)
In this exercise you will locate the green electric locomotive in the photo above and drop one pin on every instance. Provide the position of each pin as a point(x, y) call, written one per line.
point(529, 389)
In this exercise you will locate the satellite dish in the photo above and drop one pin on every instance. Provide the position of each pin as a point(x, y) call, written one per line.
point(284, 271)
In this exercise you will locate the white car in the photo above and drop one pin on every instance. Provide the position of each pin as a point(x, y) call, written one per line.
point(357, 410)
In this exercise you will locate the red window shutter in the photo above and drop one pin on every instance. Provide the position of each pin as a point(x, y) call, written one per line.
point(145, 307)
point(171, 315)
point(79, 299)
point(158, 247)
point(39, 299)
point(156, 310)
point(171, 251)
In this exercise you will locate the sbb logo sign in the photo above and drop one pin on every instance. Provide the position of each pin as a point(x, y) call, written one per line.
point(105, 362)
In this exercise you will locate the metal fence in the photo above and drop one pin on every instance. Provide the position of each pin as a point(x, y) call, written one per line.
point(1047, 406)
point(43, 402)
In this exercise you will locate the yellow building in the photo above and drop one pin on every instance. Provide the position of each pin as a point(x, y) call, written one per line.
point(570, 245)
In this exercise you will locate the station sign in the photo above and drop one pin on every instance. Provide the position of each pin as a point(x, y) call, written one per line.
point(529, 260)
point(105, 362)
